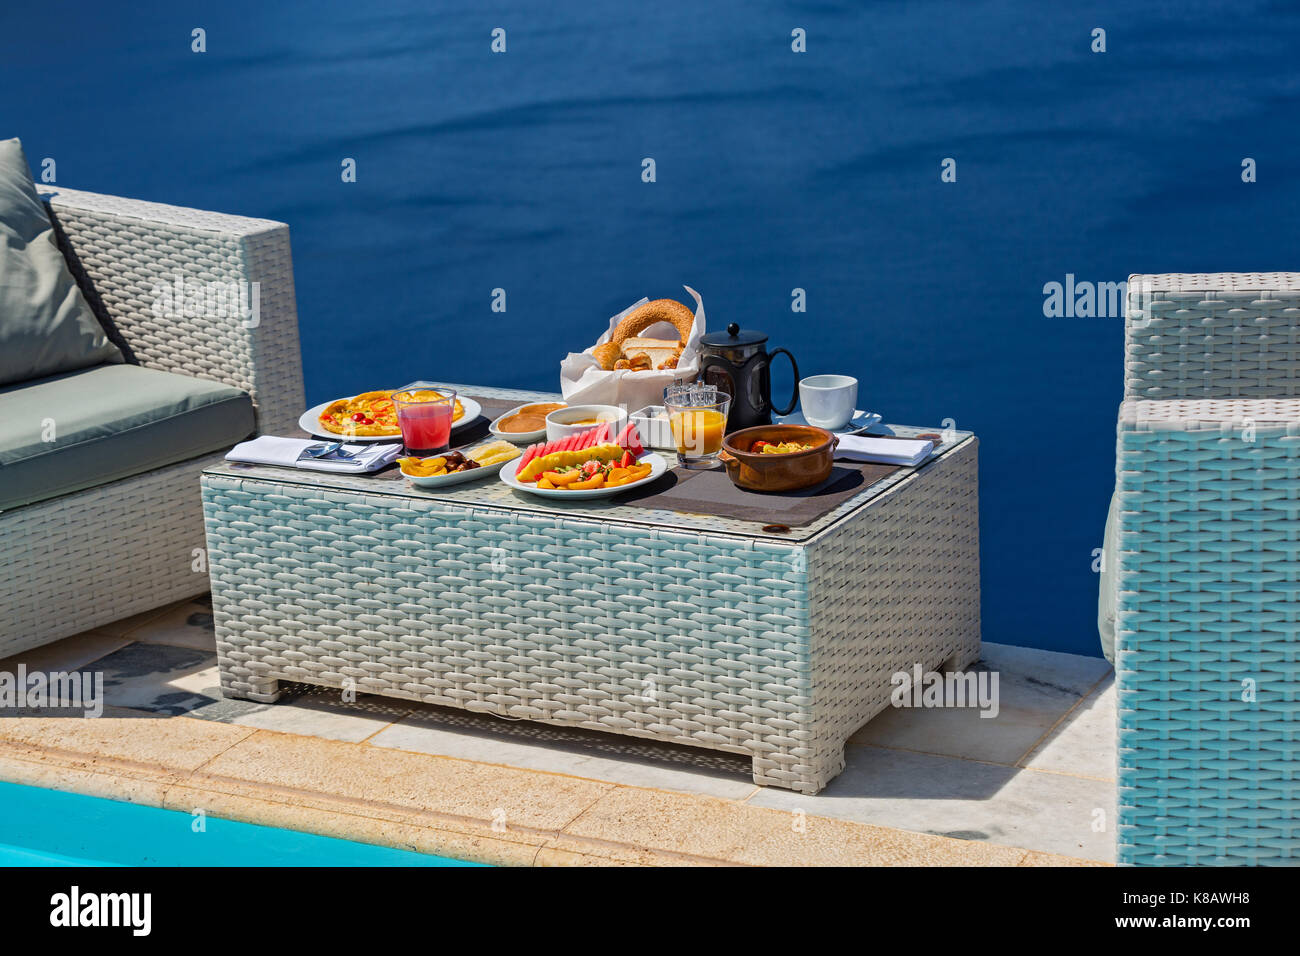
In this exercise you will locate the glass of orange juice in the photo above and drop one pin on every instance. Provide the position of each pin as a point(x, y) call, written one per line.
point(697, 415)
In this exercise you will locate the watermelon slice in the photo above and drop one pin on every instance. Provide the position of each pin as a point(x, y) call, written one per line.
point(529, 454)
point(630, 439)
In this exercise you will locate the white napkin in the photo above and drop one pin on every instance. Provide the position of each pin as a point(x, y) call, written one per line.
point(270, 450)
point(885, 451)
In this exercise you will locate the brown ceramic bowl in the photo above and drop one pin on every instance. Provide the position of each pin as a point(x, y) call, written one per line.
point(800, 469)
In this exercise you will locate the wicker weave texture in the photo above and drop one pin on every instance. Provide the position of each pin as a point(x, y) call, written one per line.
point(100, 555)
point(1213, 336)
point(96, 556)
point(1208, 632)
point(134, 252)
point(883, 604)
point(736, 644)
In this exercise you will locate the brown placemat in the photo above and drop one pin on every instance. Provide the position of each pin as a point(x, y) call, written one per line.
point(712, 493)
point(707, 492)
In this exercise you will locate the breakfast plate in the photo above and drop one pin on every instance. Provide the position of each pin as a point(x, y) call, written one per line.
point(453, 477)
point(496, 450)
point(860, 421)
point(658, 465)
point(310, 421)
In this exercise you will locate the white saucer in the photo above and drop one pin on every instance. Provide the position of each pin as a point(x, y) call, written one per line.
point(860, 421)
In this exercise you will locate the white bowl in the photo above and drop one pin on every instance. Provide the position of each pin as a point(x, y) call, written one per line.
point(519, 438)
point(561, 423)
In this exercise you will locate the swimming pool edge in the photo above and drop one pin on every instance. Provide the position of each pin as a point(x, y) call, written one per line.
point(451, 807)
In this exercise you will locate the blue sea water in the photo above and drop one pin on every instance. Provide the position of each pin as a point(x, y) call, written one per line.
point(41, 827)
point(775, 170)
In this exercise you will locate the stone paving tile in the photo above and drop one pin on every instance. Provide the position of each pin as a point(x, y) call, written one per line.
point(746, 834)
point(140, 738)
point(1084, 743)
point(1045, 806)
point(124, 627)
point(157, 678)
point(169, 680)
point(473, 792)
point(184, 625)
point(69, 654)
point(611, 757)
point(1035, 689)
point(309, 711)
point(964, 799)
point(1034, 858)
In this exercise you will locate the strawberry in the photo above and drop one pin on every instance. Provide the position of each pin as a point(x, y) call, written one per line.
point(626, 460)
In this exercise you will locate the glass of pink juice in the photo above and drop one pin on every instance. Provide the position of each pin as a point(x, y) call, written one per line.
point(424, 414)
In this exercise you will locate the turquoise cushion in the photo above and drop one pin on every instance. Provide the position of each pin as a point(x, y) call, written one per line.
point(89, 427)
point(46, 327)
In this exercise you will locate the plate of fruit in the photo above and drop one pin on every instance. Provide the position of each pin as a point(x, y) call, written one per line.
point(453, 467)
point(591, 464)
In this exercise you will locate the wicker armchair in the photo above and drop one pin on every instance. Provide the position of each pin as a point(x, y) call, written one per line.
point(95, 556)
point(1207, 583)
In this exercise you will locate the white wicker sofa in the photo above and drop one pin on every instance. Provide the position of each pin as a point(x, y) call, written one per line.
point(97, 555)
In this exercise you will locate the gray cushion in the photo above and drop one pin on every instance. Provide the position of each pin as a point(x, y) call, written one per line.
point(110, 422)
point(46, 327)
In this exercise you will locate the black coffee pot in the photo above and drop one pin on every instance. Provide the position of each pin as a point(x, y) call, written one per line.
point(737, 362)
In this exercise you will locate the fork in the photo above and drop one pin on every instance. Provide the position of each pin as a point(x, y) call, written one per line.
point(327, 450)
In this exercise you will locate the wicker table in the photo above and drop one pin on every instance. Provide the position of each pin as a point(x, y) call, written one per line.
point(678, 627)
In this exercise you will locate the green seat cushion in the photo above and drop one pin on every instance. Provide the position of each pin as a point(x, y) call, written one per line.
point(86, 428)
point(46, 327)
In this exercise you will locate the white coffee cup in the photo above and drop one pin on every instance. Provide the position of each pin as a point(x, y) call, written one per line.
point(828, 401)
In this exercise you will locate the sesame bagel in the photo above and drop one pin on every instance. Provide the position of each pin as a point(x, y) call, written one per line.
point(660, 310)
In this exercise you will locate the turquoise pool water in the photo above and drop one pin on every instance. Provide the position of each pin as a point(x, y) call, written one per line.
point(51, 828)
